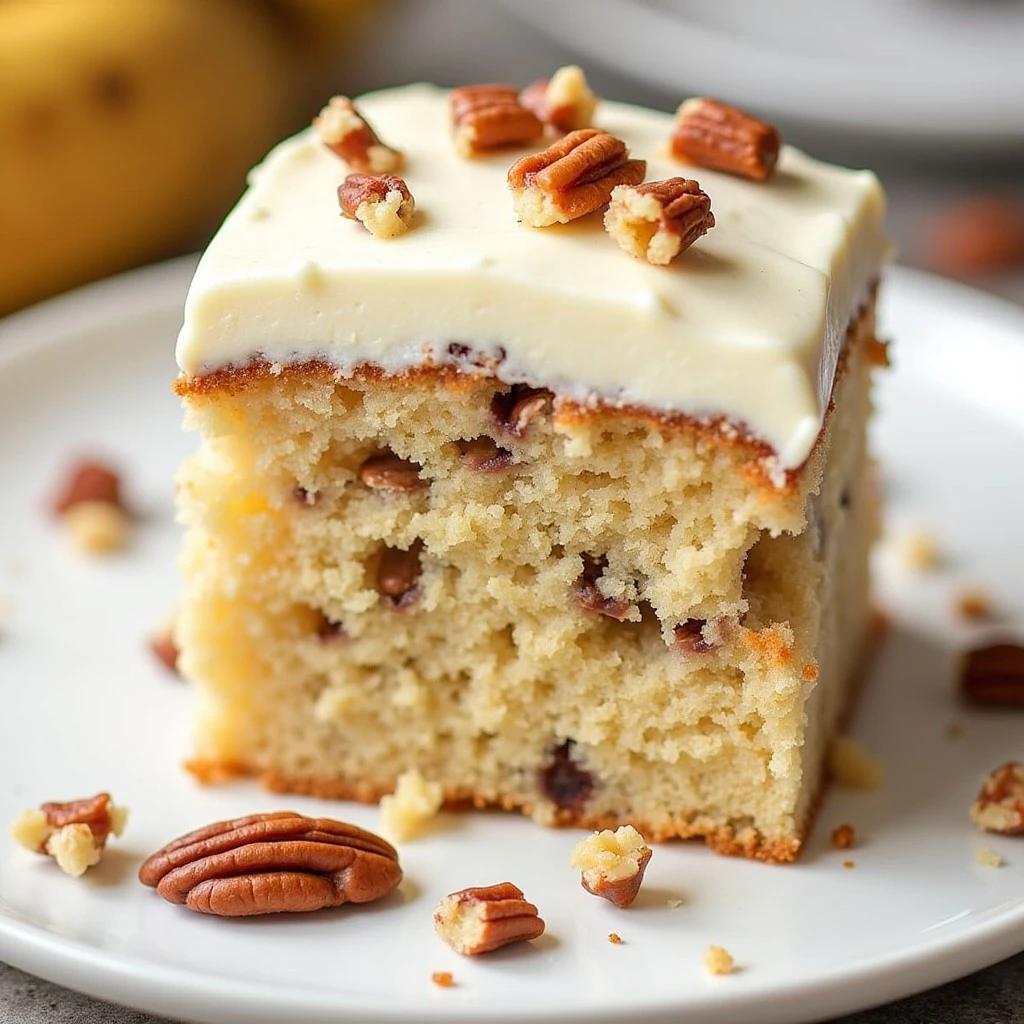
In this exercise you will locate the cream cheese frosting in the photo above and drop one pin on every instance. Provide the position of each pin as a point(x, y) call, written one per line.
point(748, 323)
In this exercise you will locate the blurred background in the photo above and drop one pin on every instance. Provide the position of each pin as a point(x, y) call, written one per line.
point(127, 126)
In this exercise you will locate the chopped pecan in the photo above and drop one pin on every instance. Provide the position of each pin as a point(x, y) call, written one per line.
point(304, 496)
point(612, 864)
point(398, 574)
point(1000, 804)
point(490, 116)
point(479, 920)
point(327, 629)
point(589, 596)
point(344, 130)
point(688, 637)
point(272, 863)
point(843, 837)
point(89, 481)
point(571, 178)
point(564, 782)
point(974, 605)
point(564, 101)
point(993, 675)
point(483, 455)
point(74, 833)
point(382, 203)
point(514, 410)
point(715, 135)
point(388, 472)
point(657, 220)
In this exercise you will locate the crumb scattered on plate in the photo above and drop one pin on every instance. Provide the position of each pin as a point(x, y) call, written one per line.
point(988, 858)
point(848, 864)
point(918, 551)
point(718, 960)
point(414, 802)
point(974, 605)
point(851, 765)
point(615, 938)
point(844, 837)
point(443, 979)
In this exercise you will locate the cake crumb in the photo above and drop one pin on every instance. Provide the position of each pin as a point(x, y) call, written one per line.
point(414, 802)
point(615, 938)
point(919, 551)
point(443, 979)
point(848, 864)
point(673, 903)
point(164, 647)
point(844, 837)
point(851, 765)
point(989, 858)
point(718, 960)
point(974, 605)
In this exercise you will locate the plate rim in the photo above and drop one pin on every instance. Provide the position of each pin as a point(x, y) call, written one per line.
point(162, 989)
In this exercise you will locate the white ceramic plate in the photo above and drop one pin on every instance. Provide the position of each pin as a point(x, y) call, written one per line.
point(83, 707)
point(902, 70)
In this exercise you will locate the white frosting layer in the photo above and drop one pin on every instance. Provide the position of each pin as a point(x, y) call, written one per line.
point(748, 323)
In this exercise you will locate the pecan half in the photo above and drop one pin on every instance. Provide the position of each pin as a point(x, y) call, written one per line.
point(564, 782)
point(479, 920)
point(73, 833)
point(388, 472)
point(612, 864)
point(657, 220)
point(993, 675)
point(564, 102)
point(589, 596)
point(1000, 804)
point(483, 455)
point(571, 178)
point(490, 116)
point(514, 410)
point(272, 863)
point(382, 203)
point(398, 574)
point(724, 138)
point(344, 130)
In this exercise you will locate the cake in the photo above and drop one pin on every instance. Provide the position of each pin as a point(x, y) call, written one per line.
point(566, 529)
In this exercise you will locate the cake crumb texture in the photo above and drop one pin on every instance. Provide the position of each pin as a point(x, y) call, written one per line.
point(621, 620)
point(718, 960)
point(414, 802)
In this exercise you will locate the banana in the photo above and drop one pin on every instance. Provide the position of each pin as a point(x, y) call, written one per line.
point(126, 128)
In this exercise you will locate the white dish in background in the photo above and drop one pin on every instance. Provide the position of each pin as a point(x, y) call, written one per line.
point(85, 707)
point(903, 71)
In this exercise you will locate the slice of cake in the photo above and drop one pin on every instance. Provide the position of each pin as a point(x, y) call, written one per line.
point(564, 528)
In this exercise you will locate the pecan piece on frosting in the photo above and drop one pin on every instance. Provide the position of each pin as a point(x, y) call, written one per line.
point(564, 101)
point(612, 864)
point(488, 117)
point(724, 138)
point(657, 220)
point(74, 833)
point(478, 920)
point(382, 203)
point(1000, 804)
point(344, 130)
point(572, 177)
point(272, 863)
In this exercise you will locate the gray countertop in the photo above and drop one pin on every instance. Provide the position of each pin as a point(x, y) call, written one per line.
point(448, 41)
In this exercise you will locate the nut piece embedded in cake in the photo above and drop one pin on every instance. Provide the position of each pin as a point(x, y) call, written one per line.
point(657, 220)
point(993, 676)
point(1000, 804)
point(724, 138)
point(564, 102)
point(344, 130)
point(414, 802)
point(571, 178)
point(479, 920)
point(612, 864)
point(486, 117)
point(74, 833)
point(382, 203)
point(272, 863)
point(388, 472)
